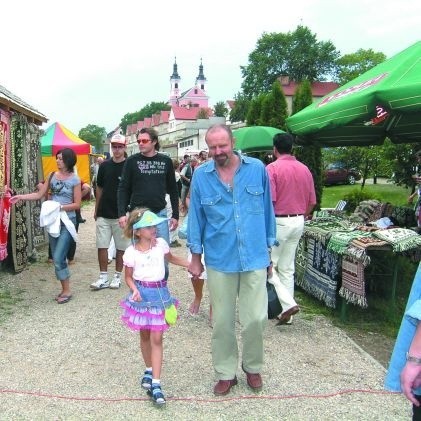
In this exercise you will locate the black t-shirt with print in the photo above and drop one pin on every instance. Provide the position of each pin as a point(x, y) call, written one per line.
point(145, 182)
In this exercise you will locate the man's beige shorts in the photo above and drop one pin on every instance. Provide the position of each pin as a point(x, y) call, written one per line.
point(107, 228)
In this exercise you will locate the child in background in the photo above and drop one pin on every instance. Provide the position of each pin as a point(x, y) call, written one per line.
point(144, 308)
point(197, 283)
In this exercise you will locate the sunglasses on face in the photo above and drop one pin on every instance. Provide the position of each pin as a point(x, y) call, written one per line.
point(143, 141)
point(117, 146)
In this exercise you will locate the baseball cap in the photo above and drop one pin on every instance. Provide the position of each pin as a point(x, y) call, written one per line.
point(148, 219)
point(118, 138)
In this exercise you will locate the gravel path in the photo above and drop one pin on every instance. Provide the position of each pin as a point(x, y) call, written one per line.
point(77, 361)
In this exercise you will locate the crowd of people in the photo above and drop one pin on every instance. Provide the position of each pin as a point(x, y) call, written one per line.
point(244, 221)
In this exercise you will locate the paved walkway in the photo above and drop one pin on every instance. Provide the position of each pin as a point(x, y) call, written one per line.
point(77, 361)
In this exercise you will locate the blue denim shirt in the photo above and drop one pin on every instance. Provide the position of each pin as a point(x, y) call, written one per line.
point(235, 225)
point(406, 333)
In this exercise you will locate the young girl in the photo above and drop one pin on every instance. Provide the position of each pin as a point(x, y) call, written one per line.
point(144, 308)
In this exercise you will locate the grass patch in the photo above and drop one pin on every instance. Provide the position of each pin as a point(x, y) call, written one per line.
point(391, 193)
point(8, 300)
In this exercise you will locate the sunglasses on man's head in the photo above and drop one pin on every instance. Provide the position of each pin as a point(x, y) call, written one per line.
point(144, 141)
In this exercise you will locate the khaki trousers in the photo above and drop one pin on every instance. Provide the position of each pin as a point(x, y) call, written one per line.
point(250, 289)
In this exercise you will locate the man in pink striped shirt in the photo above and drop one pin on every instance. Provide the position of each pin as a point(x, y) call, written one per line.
point(293, 198)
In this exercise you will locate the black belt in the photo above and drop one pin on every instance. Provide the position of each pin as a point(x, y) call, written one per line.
point(290, 215)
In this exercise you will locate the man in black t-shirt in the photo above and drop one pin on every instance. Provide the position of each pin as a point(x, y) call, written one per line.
point(147, 177)
point(106, 214)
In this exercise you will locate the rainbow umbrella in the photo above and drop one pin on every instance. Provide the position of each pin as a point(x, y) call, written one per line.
point(58, 137)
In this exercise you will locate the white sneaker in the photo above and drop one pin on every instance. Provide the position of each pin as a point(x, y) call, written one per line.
point(116, 282)
point(101, 283)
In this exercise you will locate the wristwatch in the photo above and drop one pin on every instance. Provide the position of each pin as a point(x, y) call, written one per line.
point(412, 359)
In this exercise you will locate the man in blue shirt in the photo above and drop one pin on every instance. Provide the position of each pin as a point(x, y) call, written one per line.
point(231, 221)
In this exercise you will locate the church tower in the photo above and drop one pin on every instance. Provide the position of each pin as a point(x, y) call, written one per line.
point(175, 82)
point(201, 80)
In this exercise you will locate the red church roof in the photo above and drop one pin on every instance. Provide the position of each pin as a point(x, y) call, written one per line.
point(155, 119)
point(183, 113)
point(319, 89)
point(164, 116)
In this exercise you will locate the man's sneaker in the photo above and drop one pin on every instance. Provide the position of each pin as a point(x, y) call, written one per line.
point(101, 283)
point(116, 282)
point(146, 380)
point(157, 395)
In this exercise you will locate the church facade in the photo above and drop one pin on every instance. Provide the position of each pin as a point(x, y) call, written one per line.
point(182, 129)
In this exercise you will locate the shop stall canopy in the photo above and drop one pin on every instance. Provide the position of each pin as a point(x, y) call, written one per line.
point(57, 137)
point(255, 138)
point(383, 102)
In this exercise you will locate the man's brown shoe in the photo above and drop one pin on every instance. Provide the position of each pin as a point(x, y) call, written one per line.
point(286, 315)
point(224, 386)
point(254, 380)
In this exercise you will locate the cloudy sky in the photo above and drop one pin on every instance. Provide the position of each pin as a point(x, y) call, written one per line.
point(91, 62)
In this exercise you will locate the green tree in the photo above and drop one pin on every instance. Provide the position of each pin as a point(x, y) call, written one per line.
point(402, 162)
point(94, 135)
point(220, 110)
point(297, 54)
point(274, 110)
point(352, 65)
point(303, 97)
point(372, 161)
point(255, 110)
point(309, 155)
point(147, 111)
point(239, 112)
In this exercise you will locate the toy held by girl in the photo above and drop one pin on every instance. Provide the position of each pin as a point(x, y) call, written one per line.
point(149, 308)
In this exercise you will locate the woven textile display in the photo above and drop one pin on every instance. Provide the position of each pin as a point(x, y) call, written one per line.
point(359, 246)
point(3, 133)
point(18, 230)
point(33, 162)
point(353, 282)
point(404, 216)
point(321, 229)
point(300, 261)
point(322, 272)
point(4, 192)
point(401, 239)
point(339, 241)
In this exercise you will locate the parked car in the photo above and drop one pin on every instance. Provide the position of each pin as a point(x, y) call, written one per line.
point(337, 173)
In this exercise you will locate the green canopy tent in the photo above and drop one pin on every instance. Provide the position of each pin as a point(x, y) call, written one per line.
point(383, 102)
point(255, 138)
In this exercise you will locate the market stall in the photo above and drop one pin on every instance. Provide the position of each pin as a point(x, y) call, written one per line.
point(57, 137)
point(335, 251)
point(20, 171)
